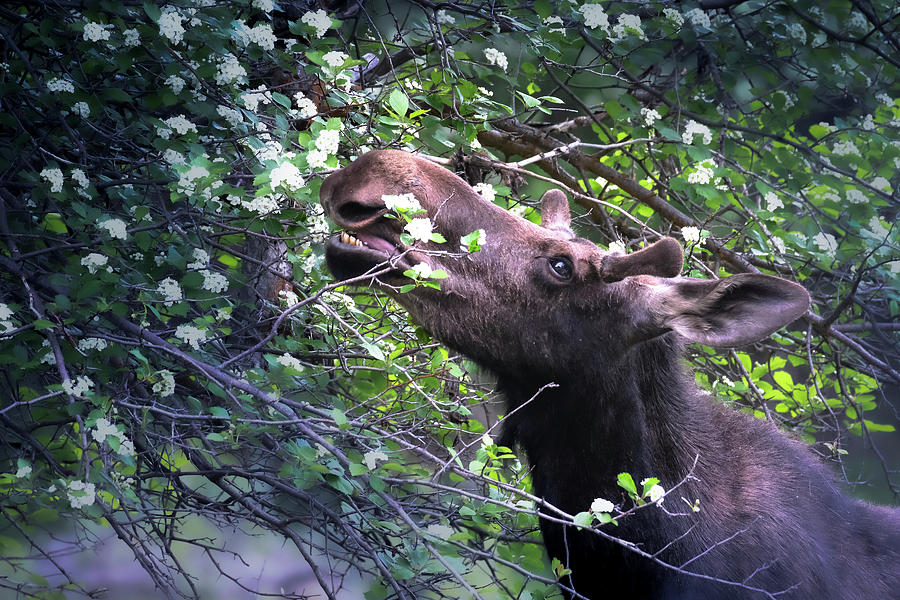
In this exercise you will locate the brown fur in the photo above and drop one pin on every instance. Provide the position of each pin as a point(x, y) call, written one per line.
point(610, 337)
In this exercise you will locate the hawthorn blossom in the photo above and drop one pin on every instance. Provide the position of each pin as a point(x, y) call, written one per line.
point(335, 58)
point(674, 16)
point(602, 505)
point(132, 37)
point(401, 202)
point(496, 57)
point(423, 270)
point(690, 234)
point(697, 17)
point(693, 128)
point(318, 19)
point(486, 191)
point(191, 335)
point(95, 32)
point(595, 16)
point(420, 229)
point(170, 26)
point(54, 177)
point(116, 228)
point(78, 386)
point(93, 262)
point(290, 362)
point(58, 84)
point(649, 116)
point(170, 290)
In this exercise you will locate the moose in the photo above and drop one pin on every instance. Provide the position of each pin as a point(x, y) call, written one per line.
point(539, 305)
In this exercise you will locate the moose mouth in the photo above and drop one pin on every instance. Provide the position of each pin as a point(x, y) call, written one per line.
point(355, 254)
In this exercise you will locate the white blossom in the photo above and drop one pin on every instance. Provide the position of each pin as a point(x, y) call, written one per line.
point(95, 32)
point(649, 116)
point(444, 19)
point(23, 472)
point(420, 229)
point(628, 22)
point(882, 184)
point(856, 197)
point(286, 174)
point(229, 70)
point(175, 82)
point(232, 115)
point(266, 6)
point(5, 312)
point(845, 148)
point(690, 234)
point(693, 128)
point(54, 177)
point(797, 32)
point(92, 343)
point(290, 362)
point(180, 124)
point(132, 37)
point(166, 384)
point(115, 227)
point(82, 109)
point(80, 494)
point(486, 191)
point(191, 335)
point(263, 205)
point(262, 36)
point(602, 505)
point(826, 243)
point(401, 202)
point(80, 178)
point(78, 386)
point(252, 98)
point(306, 107)
point(856, 22)
point(496, 57)
point(316, 159)
point(201, 259)
point(58, 84)
point(423, 270)
point(170, 290)
point(656, 494)
point(878, 229)
point(174, 157)
point(595, 16)
point(214, 281)
point(170, 26)
point(318, 19)
point(702, 174)
point(328, 141)
point(697, 17)
point(372, 456)
point(773, 202)
point(335, 58)
point(673, 15)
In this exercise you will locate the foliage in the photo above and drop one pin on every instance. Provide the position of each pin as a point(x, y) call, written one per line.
point(173, 347)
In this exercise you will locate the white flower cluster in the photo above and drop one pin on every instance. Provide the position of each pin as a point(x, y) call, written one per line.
point(856, 22)
point(170, 25)
point(401, 202)
point(187, 181)
point(797, 32)
point(175, 82)
point(166, 384)
point(335, 58)
point(252, 98)
point(260, 34)
point(232, 115)
point(191, 335)
point(290, 362)
point(6, 323)
point(54, 177)
point(229, 70)
point(82, 181)
point(703, 173)
point(554, 20)
point(826, 243)
point(58, 84)
point(656, 492)
point(486, 191)
point(856, 197)
point(697, 17)
point(132, 37)
point(266, 6)
point(878, 229)
point(116, 228)
point(80, 494)
point(103, 428)
point(318, 19)
point(420, 229)
point(845, 148)
point(170, 290)
point(286, 174)
point(179, 123)
point(96, 32)
point(773, 202)
point(423, 270)
point(263, 205)
point(496, 57)
point(78, 386)
point(201, 259)
point(628, 23)
point(868, 123)
point(884, 99)
point(882, 184)
point(92, 343)
point(82, 109)
point(693, 128)
point(673, 15)
point(443, 18)
point(594, 17)
point(214, 281)
point(306, 107)
point(691, 235)
point(328, 141)
point(649, 116)
point(23, 471)
point(602, 505)
point(174, 157)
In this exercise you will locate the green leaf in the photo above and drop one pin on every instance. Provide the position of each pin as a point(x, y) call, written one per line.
point(626, 482)
point(584, 519)
point(398, 102)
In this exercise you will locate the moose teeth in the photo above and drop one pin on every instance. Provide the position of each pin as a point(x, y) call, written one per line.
point(350, 240)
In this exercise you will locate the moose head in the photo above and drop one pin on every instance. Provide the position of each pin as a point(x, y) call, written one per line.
point(533, 296)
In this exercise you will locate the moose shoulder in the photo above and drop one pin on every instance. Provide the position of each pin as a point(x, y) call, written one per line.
point(537, 305)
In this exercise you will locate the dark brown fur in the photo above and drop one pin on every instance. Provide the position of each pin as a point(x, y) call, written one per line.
point(610, 337)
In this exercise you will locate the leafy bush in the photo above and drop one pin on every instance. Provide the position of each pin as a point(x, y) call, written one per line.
point(173, 347)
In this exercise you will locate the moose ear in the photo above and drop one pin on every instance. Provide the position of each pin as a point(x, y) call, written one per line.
point(730, 312)
point(555, 210)
point(662, 258)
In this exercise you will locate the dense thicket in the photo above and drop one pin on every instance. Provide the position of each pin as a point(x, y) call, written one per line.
point(177, 364)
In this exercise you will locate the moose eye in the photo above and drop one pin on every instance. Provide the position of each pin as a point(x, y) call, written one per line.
point(561, 267)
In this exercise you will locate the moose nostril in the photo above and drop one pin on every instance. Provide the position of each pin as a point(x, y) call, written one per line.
point(354, 212)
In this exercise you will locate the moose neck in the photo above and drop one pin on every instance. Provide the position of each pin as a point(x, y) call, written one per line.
point(629, 415)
